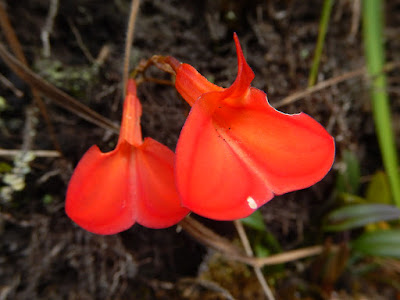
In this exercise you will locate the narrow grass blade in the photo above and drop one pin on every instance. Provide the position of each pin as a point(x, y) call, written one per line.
point(374, 52)
point(323, 27)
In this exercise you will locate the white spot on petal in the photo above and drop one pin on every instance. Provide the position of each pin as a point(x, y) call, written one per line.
point(252, 203)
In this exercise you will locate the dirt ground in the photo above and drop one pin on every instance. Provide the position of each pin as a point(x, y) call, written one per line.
point(43, 255)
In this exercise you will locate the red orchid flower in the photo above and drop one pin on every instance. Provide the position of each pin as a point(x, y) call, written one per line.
point(236, 152)
point(108, 192)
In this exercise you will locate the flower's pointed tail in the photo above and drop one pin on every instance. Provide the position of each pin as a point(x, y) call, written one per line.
point(244, 76)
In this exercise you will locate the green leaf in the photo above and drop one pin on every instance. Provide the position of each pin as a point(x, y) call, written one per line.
point(254, 221)
point(47, 199)
point(378, 190)
point(5, 167)
point(379, 243)
point(261, 250)
point(348, 180)
point(263, 240)
point(373, 37)
point(348, 199)
point(358, 215)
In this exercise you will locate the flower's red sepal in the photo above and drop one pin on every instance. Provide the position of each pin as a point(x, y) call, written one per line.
point(236, 151)
point(108, 192)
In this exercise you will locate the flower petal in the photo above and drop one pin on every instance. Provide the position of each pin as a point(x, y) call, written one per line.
point(212, 180)
point(159, 204)
point(99, 196)
point(289, 152)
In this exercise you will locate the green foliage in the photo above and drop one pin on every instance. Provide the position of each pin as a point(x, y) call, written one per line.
point(264, 242)
point(348, 180)
point(360, 211)
point(5, 167)
point(374, 52)
point(378, 190)
point(254, 221)
point(3, 104)
point(323, 27)
point(379, 243)
point(75, 79)
point(358, 215)
point(47, 199)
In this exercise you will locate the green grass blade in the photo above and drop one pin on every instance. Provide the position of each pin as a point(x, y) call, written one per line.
point(374, 52)
point(323, 27)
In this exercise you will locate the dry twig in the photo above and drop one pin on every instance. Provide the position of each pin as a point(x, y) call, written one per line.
point(12, 39)
point(36, 153)
point(59, 97)
point(48, 27)
point(209, 238)
point(249, 252)
point(330, 82)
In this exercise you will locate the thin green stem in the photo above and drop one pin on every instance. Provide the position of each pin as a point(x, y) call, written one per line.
point(375, 58)
point(323, 27)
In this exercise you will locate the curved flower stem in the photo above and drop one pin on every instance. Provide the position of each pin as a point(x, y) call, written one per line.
point(249, 252)
point(160, 62)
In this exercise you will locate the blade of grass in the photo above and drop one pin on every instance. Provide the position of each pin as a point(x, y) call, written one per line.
point(323, 26)
point(375, 58)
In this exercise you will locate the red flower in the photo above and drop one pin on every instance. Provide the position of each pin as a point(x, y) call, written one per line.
point(108, 192)
point(236, 151)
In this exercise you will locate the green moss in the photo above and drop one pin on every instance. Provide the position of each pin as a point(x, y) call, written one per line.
point(73, 79)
